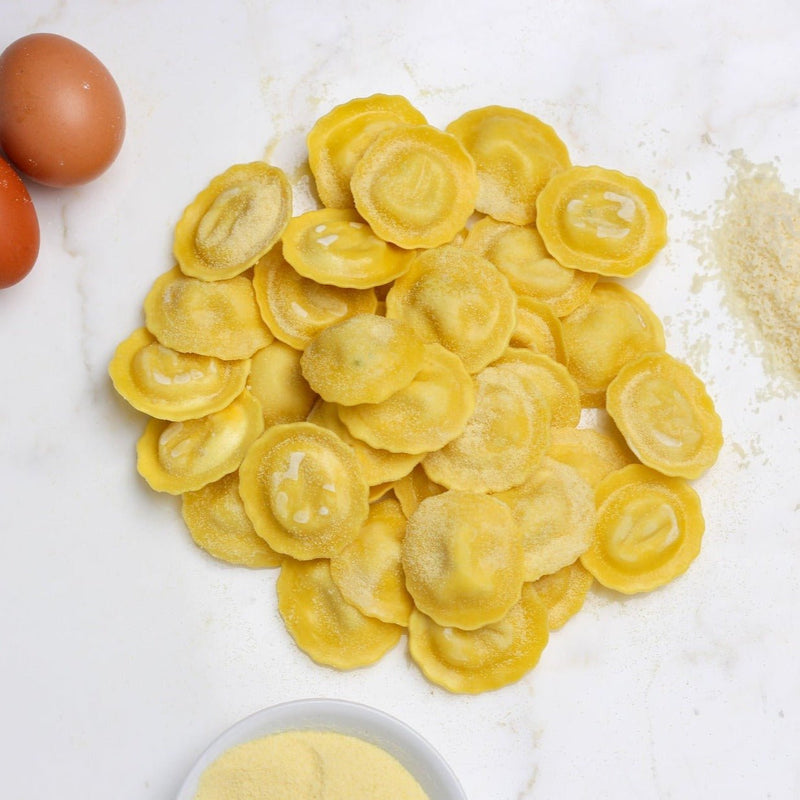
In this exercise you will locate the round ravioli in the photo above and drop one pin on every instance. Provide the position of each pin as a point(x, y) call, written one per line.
point(338, 139)
point(490, 657)
point(209, 318)
point(233, 221)
point(564, 592)
point(218, 523)
point(555, 512)
point(363, 359)
point(666, 415)
point(335, 246)
point(612, 327)
point(460, 300)
point(593, 453)
point(538, 329)
point(649, 530)
point(380, 468)
point(277, 382)
point(541, 373)
point(519, 253)
point(303, 490)
point(368, 571)
point(503, 441)
point(415, 186)
point(166, 384)
point(599, 220)
point(178, 457)
point(412, 489)
point(515, 153)
point(323, 624)
point(425, 415)
point(295, 308)
point(462, 557)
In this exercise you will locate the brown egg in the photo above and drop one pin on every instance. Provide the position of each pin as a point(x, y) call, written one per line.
point(62, 119)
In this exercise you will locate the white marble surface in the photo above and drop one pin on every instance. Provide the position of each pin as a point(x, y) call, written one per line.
point(124, 649)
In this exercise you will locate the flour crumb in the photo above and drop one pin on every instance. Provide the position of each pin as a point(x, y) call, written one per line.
point(755, 242)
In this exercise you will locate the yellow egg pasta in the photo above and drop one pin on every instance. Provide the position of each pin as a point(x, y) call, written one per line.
point(295, 308)
point(431, 401)
point(363, 359)
point(415, 186)
point(235, 220)
point(460, 300)
point(369, 572)
point(323, 624)
point(335, 246)
point(166, 384)
point(612, 327)
point(462, 557)
point(338, 140)
point(484, 659)
point(555, 512)
point(503, 441)
point(425, 415)
point(209, 318)
point(178, 457)
point(303, 490)
point(516, 155)
point(649, 530)
point(218, 523)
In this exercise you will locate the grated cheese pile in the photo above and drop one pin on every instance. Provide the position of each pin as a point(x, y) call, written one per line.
point(756, 242)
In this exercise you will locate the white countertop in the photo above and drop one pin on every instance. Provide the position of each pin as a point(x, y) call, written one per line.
point(124, 649)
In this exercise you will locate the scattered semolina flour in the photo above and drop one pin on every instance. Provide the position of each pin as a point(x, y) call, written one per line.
point(307, 765)
point(756, 245)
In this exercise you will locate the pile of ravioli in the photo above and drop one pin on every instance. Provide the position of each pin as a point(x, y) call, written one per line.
point(431, 402)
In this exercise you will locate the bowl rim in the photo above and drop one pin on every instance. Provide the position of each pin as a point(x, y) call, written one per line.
point(348, 717)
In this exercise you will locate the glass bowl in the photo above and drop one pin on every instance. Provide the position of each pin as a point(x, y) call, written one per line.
point(417, 755)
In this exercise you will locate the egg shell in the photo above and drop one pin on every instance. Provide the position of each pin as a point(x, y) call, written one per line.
point(19, 228)
point(62, 117)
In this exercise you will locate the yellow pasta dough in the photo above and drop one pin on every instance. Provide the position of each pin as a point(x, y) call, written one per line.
point(219, 318)
point(563, 593)
point(460, 300)
point(555, 512)
point(462, 557)
point(177, 457)
point(666, 415)
point(380, 468)
point(519, 253)
point(649, 530)
point(516, 154)
point(544, 375)
point(412, 489)
point(338, 139)
point(415, 185)
point(335, 246)
point(233, 221)
point(425, 415)
point(170, 385)
point(277, 382)
point(487, 658)
point(363, 359)
point(323, 624)
point(296, 308)
point(593, 453)
point(612, 327)
point(538, 329)
point(503, 441)
point(369, 572)
point(303, 490)
point(218, 523)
